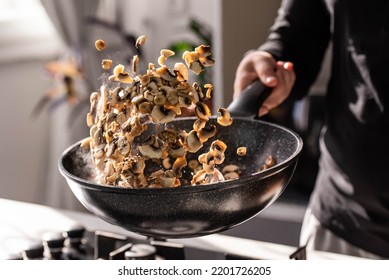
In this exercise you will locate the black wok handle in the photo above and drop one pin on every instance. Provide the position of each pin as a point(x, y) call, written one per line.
point(250, 100)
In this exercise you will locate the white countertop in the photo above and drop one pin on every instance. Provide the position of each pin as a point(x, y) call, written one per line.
point(20, 221)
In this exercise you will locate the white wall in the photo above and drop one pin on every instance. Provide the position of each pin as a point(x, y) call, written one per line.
point(26, 44)
point(23, 140)
point(244, 25)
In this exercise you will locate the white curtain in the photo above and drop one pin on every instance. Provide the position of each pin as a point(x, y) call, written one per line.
point(67, 122)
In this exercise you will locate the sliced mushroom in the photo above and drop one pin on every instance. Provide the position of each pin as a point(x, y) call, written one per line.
point(125, 78)
point(202, 158)
point(230, 168)
point(167, 163)
point(98, 137)
point(172, 98)
point(193, 142)
point(176, 151)
point(151, 68)
point(137, 165)
point(199, 177)
point(160, 114)
point(144, 107)
point(150, 151)
point(121, 118)
point(167, 53)
point(161, 60)
point(85, 143)
point(140, 41)
point(209, 167)
point(241, 151)
point(100, 44)
point(110, 149)
point(197, 67)
point(198, 90)
point(92, 131)
point(207, 132)
point(149, 96)
point(166, 180)
point(137, 99)
point(168, 135)
point(269, 162)
point(155, 174)
point(207, 61)
point(144, 80)
point(225, 117)
point(178, 164)
point(114, 96)
point(202, 111)
point(123, 146)
point(160, 99)
point(106, 64)
point(108, 136)
point(135, 62)
point(231, 175)
point(203, 50)
point(182, 70)
point(183, 87)
point(215, 156)
point(137, 129)
point(165, 73)
point(209, 88)
point(103, 101)
point(199, 124)
point(109, 170)
point(90, 119)
point(190, 57)
point(185, 101)
point(98, 152)
point(118, 69)
point(193, 164)
point(218, 145)
point(111, 179)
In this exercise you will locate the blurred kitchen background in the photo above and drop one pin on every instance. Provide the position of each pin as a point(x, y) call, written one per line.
point(49, 66)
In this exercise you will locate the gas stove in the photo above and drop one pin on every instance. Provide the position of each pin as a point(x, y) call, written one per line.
point(78, 243)
point(31, 231)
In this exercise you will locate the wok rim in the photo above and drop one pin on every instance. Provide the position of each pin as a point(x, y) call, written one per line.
point(187, 188)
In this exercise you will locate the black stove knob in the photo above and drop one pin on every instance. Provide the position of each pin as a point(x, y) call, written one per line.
point(74, 247)
point(74, 236)
point(53, 240)
point(141, 252)
point(54, 243)
point(74, 232)
point(33, 251)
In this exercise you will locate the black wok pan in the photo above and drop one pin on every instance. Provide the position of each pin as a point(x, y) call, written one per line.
point(191, 211)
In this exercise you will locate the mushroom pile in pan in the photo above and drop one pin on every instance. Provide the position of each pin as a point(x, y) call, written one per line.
point(124, 108)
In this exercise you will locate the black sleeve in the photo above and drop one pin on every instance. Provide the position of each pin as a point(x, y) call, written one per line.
point(300, 34)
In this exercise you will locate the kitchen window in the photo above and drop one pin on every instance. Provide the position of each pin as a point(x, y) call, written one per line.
point(26, 31)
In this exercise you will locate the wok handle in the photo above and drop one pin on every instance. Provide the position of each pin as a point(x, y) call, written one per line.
point(250, 100)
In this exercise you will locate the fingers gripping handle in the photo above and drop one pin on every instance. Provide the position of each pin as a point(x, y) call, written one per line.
point(250, 100)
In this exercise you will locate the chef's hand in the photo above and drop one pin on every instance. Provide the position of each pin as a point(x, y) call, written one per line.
point(276, 74)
